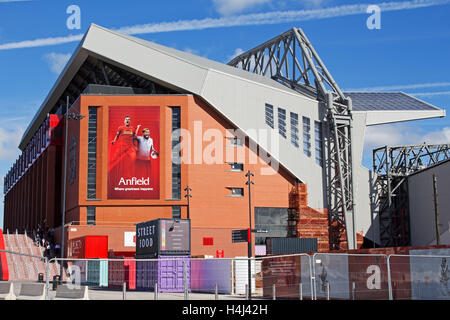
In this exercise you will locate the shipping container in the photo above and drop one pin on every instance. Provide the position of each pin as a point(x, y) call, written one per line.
point(97, 273)
point(290, 245)
point(116, 274)
point(166, 271)
point(163, 237)
point(89, 247)
point(130, 273)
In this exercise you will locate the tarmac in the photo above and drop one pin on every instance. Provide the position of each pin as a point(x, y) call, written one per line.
point(116, 294)
point(95, 294)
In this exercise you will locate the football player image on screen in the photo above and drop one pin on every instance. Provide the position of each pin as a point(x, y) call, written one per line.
point(145, 147)
point(124, 150)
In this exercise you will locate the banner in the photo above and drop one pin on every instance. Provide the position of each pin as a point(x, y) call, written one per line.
point(130, 239)
point(133, 153)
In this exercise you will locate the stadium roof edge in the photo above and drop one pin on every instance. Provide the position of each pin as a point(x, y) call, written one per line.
point(189, 73)
point(89, 47)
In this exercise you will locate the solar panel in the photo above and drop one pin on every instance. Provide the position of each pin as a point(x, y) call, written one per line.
point(394, 101)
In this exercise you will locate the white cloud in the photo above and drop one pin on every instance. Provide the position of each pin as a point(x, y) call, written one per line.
point(267, 18)
point(57, 61)
point(14, 1)
point(41, 42)
point(402, 134)
point(9, 140)
point(229, 7)
point(402, 87)
point(438, 136)
point(236, 53)
point(314, 3)
point(430, 94)
point(378, 136)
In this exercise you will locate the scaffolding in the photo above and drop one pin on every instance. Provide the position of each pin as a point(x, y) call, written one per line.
point(291, 60)
point(392, 166)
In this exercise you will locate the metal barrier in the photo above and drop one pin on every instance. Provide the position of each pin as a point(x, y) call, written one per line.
point(419, 277)
point(322, 276)
point(285, 277)
point(135, 279)
point(350, 276)
point(33, 268)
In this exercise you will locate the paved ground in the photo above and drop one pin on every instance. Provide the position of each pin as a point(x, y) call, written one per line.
point(133, 295)
point(107, 294)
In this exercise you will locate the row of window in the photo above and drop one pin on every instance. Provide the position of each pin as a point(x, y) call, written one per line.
point(294, 128)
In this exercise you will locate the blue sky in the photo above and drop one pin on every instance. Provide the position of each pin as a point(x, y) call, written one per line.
point(409, 53)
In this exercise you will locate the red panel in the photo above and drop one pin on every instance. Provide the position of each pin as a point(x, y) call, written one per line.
point(89, 247)
point(208, 241)
point(4, 274)
point(96, 247)
point(130, 274)
point(55, 129)
point(127, 254)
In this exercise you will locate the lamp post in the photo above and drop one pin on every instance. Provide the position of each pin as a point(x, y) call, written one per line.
point(436, 211)
point(249, 182)
point(66, 142)
point(188, 195)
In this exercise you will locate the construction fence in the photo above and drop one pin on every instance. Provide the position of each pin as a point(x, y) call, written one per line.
point(322, 276)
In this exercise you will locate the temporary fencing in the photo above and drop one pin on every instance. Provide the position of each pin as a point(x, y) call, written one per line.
point(321, 276)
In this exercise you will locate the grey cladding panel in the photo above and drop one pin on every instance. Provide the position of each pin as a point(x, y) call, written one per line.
point(375, 101)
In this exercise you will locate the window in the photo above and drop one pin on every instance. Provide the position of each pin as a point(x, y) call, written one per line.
point(236, 166)
point(90, 217)
point(318, 142)
point(294, 129)
point(176, 212)
point(269, 115)
point(236, 192)
point(282, 122)
point(235, 141)
point(176, 154)
point(92, 154)
point(274, 220)
point(307, 136)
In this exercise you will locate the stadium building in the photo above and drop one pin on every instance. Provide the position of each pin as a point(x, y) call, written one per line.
point(146, 124)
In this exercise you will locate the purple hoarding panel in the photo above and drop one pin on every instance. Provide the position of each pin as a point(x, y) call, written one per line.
point(167, 271)
point(205, 274)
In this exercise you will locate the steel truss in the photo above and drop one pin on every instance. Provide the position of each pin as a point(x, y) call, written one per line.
point(291, 60)
point(392, 166)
